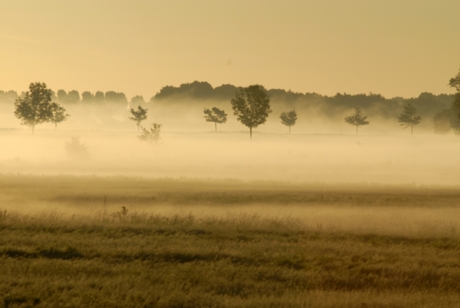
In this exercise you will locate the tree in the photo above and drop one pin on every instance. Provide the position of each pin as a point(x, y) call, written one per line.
point(455, 120)
point(73, 97)
point(251, 106)
point(35, 106)
point(151, 136)
point(87, 97)
point(76, 150)
point(139, 115)
point(409, 117)
point(58, 114)
point(441, 121)
point(137, 100)
point(455, 82)
point(289, 118)
point(61, 96)
point(215, 115)
point(99, 97)
point(357, 119)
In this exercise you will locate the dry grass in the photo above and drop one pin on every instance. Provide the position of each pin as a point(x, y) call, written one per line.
point(144, 257)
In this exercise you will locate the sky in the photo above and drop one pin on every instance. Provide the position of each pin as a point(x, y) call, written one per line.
point(389, 47)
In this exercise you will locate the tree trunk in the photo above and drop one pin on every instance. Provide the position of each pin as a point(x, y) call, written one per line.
point(289, 129)
point(55, 126)
point(138, 127)
point(356, 129)
point(215, 126)
point(412, 130)
point(250, 132)
point(33, 129)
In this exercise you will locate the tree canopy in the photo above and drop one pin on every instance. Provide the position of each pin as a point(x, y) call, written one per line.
point(58, 114)
point(455, 120)
point(139, 115)
point(251, 106)
point(455, 82)
point(357, 119)
point(408, 117)
point(215, 115)
point(289, 118)
point(35, 106)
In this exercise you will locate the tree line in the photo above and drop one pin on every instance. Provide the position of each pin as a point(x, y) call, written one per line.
point(251, 106)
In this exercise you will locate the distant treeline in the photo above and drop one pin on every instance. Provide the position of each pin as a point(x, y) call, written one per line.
point(197, 94)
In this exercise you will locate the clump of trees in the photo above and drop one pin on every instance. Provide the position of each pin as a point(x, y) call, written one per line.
point(289, 118)
point(151, 135)
point(215, 115)
point(409, 117)
point(35, 107)
point(357, 119)
point(251, 106)
point(139, 115)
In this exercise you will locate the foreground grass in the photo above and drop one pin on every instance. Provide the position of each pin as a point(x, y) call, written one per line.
point(126, 259)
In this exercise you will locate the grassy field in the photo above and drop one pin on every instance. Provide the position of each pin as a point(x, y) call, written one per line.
point(136, 242)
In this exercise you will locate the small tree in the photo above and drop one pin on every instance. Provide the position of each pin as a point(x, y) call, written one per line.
point(251, 106)
point(215, 115)
point(289, 118)
point(58, 114)
point(151, 136)
point(409, 118)
point(357, 119)
point(35, 106)
point(138, 116)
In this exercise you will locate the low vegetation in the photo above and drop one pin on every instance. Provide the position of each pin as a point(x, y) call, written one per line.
point(122, 256)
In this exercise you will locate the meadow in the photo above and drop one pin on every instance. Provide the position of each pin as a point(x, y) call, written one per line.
point(216, 220)
point(117, 241)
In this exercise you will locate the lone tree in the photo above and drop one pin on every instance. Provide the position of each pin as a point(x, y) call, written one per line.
point(138, 116)
point(35, 106)
point(409, 118)
point(251, 106)
point(58, 114)
point(289, 118)
point(151, 135)
point(215, 115)
point(357, 119)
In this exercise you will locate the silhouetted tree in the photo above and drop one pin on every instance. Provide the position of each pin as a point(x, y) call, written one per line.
point(58, 114)
point(99, 97)
point(215, 115)
point(115, 97)
point(455, 82)
point(251, 106)
point(455, 121)
point(441, 121)
point(138, 116)
point(61, 96)
point(87, 97)
point(151, 135)
point(357, 119)
point(73, 97)
point(137, 100)
point(35, 106)
point(409, 118)
point(9, 96)
point(289, 118)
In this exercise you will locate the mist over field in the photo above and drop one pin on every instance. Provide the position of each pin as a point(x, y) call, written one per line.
point(386, 159)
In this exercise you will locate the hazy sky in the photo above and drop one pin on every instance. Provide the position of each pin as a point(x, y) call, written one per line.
point(391, 47)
